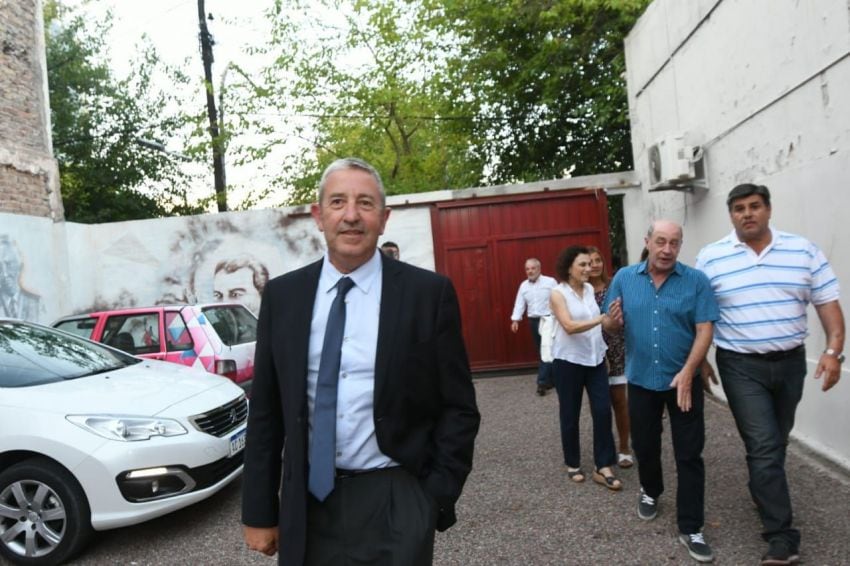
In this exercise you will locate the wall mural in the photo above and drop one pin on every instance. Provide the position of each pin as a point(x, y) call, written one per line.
point(16, 301)
point(220, 261)
point(199, 259)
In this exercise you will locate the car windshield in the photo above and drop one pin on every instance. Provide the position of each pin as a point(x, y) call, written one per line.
point(79, 326)
point(33, 355)
point(234, 324)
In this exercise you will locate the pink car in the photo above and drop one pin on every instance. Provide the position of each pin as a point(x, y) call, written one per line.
point(219, 338)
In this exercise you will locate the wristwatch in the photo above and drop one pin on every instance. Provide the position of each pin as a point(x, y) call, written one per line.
point(831, 352)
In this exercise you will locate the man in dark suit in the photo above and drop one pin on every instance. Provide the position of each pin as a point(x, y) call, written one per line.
point(405, 413)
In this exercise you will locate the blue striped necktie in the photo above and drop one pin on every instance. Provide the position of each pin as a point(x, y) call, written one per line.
point(323, 444)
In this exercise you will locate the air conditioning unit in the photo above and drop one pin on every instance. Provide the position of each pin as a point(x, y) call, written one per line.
point(674, 165)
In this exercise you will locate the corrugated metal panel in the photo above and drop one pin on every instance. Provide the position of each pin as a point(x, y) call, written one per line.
point(482, 244)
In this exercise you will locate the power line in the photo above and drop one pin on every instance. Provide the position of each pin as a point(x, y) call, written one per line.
point(372, 116)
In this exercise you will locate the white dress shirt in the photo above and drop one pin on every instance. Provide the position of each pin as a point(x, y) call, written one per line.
point(356, 443)
point(534, 297)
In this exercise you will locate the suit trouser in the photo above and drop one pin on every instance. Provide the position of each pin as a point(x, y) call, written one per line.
point(763, 394)
point(381, 518)
point(688, 432)
point(544, 369)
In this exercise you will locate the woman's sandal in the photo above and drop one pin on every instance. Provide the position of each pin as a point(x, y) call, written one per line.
point(576, 475)
point(625, 460)
point(611, 482)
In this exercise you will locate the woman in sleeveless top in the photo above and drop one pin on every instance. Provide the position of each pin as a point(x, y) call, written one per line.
point(579, 365)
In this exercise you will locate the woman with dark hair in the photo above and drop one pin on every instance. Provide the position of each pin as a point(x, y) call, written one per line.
point(616, 358)
point(579, 365)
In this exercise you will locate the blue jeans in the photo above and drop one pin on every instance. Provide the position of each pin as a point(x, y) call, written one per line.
point(544, 370)
point(763, 393)
point(570, 380)
point(688, 431)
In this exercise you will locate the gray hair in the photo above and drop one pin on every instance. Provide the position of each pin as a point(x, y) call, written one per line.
point(351, 163)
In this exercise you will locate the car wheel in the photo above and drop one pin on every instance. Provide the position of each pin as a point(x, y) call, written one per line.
point(44, 514)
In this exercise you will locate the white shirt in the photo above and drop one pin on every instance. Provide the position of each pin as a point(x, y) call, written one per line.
point(356, 443)
point(534, 297)
point(763, 297)
point(585, 348)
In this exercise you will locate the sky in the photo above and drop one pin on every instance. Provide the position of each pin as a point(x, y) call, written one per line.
point(172, 26)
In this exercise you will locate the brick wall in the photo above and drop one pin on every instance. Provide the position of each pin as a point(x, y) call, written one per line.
point(23, 193)
point(29, 177)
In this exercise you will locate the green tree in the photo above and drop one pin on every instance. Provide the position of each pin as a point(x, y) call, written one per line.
point(544, 80)
point(447, 93)
point(367, 81)
point(101, 124)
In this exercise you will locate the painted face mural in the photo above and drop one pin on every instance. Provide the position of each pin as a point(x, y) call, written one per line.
point(219, 261)
point(15, 301)
point(240, 280)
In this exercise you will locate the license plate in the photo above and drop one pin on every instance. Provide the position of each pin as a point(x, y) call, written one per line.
point(237, 442)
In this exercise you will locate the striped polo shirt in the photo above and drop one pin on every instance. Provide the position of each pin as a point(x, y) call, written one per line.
point(763, 297)
point(660, 324)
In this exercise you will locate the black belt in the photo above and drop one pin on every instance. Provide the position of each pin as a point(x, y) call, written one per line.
point(342, 473)
point(771, 356)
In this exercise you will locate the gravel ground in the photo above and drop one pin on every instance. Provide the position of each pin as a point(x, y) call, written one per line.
point(519, 507)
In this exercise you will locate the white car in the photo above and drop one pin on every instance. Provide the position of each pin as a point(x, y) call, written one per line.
point(93, 439)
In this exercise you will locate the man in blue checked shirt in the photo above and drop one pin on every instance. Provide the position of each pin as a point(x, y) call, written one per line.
point(764, 279)
point(668, 311)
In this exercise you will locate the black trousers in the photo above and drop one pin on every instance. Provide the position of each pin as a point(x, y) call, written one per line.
point(763, 394)
point(570, 382)
point(688, 432)
point(381, 518)
point(545, 373)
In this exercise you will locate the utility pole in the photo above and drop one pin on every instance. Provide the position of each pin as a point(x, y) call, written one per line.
point(217, 142)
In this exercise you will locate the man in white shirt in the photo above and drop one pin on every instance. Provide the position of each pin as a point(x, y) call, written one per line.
point(532, 298)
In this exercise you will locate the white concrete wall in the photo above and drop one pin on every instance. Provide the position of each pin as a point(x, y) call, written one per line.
point(77, 268)
point(144, 262)
point(763, 86)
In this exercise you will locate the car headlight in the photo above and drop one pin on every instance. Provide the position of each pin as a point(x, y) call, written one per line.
point(127, 428)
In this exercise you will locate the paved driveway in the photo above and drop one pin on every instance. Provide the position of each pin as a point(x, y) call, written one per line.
point(520, 509)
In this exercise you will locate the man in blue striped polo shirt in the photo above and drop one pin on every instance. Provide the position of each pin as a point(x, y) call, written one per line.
point(763, 280)
point(668, 311)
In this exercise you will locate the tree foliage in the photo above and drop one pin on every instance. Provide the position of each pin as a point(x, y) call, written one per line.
point(106, 174)
point(438, 94)
point(447, 93)
point(367, 81)
point(544, 80)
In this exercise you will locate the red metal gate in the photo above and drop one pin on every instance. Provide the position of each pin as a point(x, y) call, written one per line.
point(482, 244)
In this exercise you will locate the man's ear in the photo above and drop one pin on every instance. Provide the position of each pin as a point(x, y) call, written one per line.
point(316, 213)
point(386, 214)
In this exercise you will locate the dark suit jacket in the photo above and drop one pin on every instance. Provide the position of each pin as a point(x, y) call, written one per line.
point(424, 407)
